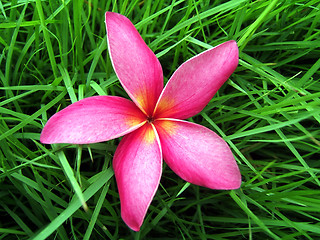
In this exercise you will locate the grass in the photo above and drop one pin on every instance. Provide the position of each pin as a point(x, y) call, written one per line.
point(53, 53)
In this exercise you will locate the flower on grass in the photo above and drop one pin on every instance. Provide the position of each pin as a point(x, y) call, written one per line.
point(152, 124)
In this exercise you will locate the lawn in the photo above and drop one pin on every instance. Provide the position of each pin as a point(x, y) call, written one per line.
point(54, 53)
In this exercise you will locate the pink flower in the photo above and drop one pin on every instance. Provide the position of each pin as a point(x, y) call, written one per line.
point(151, 124)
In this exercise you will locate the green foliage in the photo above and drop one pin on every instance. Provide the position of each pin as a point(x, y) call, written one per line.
point(53, 53)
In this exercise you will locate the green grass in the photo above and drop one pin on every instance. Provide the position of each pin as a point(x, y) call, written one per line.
point(53, 53)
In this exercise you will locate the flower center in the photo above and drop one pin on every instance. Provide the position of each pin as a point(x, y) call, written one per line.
point(150, 119)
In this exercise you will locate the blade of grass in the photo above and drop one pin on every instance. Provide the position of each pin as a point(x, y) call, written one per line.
point(47, 38)
point(251, 214)
point(74, 205)
point(70, 175)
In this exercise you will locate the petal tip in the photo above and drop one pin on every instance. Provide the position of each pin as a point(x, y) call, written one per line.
point(234, 51)
point(235, 184)
point(233, 42)
point(113, 19)
point(43, 138)
point(110, 14)
point(133, 225)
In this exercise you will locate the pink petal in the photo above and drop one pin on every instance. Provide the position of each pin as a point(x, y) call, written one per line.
point(93, 119)
point(195, 82)
point(136, 66)
point(137, 165)
point(198, 155)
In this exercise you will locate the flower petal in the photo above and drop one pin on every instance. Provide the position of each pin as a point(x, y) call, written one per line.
point(93, 119)
point(198, 155)
point(194, 83)
point(136, 66)
point(137, 165)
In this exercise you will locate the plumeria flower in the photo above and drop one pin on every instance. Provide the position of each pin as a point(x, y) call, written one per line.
point(152, 123)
